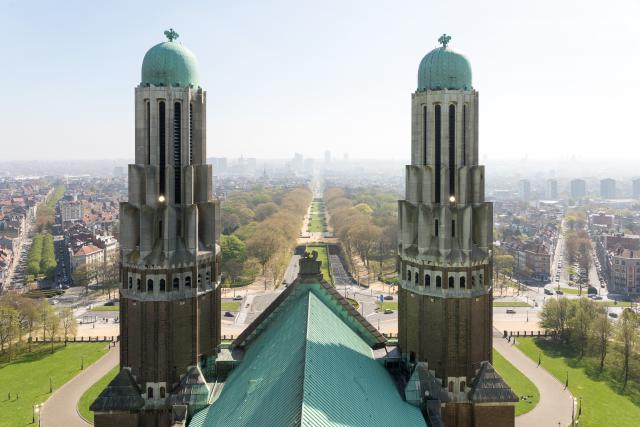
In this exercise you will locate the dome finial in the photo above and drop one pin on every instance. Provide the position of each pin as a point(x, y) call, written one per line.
point(443, 40)
point(171, 35)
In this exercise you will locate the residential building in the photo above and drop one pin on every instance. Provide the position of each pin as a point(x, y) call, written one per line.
point(551, 190)
point(71, 211)
point(524, 187)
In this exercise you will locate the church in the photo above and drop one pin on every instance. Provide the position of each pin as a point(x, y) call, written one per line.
point(310, 359)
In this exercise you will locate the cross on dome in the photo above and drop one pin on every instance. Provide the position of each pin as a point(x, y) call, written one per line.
point(443, 40)
point(171, 35)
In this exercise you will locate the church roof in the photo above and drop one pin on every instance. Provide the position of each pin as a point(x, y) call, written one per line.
point(122, 394)
point(311, 363)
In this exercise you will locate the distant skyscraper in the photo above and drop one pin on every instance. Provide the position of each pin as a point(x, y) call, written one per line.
point(551, 192)
point(219, 164)
point(636, 188)
point(608, 188)
point(524, 188)
point(170, 257)
point(445, 251)
point(578, 188)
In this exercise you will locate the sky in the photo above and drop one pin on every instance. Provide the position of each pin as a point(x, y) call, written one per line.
point(556, 78)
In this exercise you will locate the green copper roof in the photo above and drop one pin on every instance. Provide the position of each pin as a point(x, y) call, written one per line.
point(170, 64)
point(307, 367)
point(442, 68)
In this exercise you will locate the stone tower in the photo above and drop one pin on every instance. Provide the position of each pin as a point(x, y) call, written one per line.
point(169, 227)
point(445, 239)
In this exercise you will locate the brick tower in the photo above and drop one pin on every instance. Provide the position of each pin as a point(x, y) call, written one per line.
point(169, 227)
point(445, 239)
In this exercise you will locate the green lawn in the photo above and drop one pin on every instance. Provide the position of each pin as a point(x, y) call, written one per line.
point(92, 393)
point(106, 308)
point(602, 402)
point(231, 305)
point(324, 258)
point(520, 384)
point(510, 304)
point(29, 374)
point(318, 219)
point(392, 305)
point(615, 303)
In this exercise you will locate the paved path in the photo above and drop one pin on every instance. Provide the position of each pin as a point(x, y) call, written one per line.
point(60, 409)
point(555, 404)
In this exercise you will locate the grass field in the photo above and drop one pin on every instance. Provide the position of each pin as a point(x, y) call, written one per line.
point(510, 304)
point(28, 375)
point(520, 384)
point(602, 403)
point(90, 395)
point(324, 258)
point(106, 308)
point(318, 219)
point(230, 305)
point(392, 305)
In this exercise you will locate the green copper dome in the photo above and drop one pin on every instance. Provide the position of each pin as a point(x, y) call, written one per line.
point(442, 68)
point(170, 64)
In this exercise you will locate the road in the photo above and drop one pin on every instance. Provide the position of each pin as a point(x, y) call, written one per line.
point(556, 403)
point(60, 409)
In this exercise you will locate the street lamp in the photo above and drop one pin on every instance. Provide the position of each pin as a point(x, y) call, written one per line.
point(50, 386)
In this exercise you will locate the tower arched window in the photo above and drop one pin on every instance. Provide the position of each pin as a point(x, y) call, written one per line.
point(416, 278)
point(438, 149)
point(453, 228)
point(409, 275)
point(138, 284)
point(452, 149)
point(425, 146)
point(148, 128)
point(187, 281)
point(464, 135)
point(162, 161)
point(130, 282)
point(177, 152)
point(176, 283)
point(451, 282)
point(480, 279)
point(150, 393)
point(427, 280)
point(163, 392)
point(162, 285)
point(436, 227)
point(438, 282)
point(463, 283)
point(150, 285)
point(191, 133)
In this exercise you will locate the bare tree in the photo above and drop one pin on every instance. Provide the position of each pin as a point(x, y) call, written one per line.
point(9, 328)
point(52, 326)
point(69, 323)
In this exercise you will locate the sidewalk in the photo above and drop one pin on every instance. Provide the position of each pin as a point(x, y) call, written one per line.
point(555, 404)
point(60, 409)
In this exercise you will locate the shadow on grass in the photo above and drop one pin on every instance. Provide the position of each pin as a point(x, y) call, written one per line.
point(590, 365)
point(38, 352)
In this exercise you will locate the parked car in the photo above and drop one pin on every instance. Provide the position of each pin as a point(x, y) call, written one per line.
point(548, 292)
point(388, 297)
point(388, 311)
point(237, 298)
point(228, 314)
point(614, 315)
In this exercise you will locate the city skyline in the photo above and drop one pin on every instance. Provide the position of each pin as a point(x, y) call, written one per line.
point(263, 104)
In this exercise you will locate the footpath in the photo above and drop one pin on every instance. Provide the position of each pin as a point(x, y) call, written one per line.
point(60, 409)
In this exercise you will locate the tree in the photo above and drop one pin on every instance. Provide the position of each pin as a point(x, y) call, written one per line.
point(52, 325)
point(554, 316)
point(9, 327)
point(627, 335)
point(505, 264)
point(233, 252)
point(84, 275)
point(583, 316)
point(601, 334)
point(107, 274)
point(262, 246)
point(265, 210)
point(68, 322)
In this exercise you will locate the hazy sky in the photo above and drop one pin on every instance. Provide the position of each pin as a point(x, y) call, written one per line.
point(555, 78)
